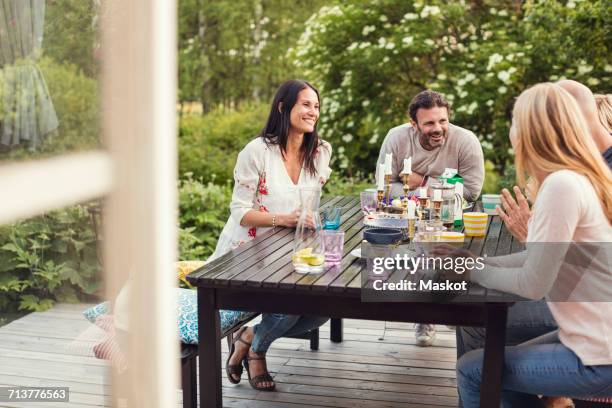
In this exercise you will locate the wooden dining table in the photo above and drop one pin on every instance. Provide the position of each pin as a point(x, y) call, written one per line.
point(259, 276)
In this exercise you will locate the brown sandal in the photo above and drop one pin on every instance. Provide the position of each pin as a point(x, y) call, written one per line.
point(266, 377)
point(234, 369)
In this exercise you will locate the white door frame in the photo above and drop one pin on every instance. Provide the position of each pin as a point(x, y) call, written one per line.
point(137, 175)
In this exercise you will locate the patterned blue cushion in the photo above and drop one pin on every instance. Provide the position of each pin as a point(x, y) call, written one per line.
point(92, 313)
point(187, 315)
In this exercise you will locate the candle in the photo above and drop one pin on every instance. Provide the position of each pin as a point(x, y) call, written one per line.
point(423, 192)
point(407, 166)
point(437, 195)
point(388, 163)
point(381, 177)
point(411, 209)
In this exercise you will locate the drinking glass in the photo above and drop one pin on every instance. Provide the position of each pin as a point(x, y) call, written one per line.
point(369, 201)
point(331, 217)
point(333, 246)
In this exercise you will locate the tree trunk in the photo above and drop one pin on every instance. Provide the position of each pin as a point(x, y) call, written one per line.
point(257, 38)
point(205, 94)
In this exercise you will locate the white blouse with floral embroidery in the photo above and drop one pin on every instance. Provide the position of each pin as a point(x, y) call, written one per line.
point(261, 183)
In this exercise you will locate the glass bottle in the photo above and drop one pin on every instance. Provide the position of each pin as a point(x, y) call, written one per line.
point(307, 249)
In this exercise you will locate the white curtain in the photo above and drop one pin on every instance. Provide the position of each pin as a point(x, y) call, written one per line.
point(26, 110)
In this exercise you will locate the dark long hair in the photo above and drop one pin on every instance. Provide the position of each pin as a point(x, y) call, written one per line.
point(276, 131)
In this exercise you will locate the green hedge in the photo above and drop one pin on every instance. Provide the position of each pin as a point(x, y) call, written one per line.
point(209, 145)
point(204, 209)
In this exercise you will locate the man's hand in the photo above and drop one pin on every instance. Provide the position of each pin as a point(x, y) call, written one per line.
point(414, 180)
point(515, 213)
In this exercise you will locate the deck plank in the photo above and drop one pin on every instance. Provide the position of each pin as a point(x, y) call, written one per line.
point(377, 365)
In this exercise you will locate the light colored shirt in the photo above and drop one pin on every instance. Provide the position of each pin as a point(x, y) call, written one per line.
point(461, 151)
point(568, 261)
point(261, 183)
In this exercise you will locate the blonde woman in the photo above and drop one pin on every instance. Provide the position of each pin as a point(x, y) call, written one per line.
point(573, 204)
point(604, 110)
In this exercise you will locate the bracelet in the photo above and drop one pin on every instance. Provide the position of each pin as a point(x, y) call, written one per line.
point(274, 221)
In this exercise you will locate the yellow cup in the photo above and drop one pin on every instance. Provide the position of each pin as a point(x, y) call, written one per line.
point(451, 236)
point(475, 224)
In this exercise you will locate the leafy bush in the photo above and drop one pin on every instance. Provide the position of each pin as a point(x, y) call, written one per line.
point(70, 33)
point(370, 60)
point(48, 258)
point(492, 179)
point(75, 98)
point(204, 209)
point(209, 145)
point(348, 186)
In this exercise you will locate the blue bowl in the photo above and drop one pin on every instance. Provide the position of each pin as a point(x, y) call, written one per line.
point(383, 236)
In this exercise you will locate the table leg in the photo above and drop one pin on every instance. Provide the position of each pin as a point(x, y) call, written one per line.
point(209, 349)
point(335, 330)
point(493, 362)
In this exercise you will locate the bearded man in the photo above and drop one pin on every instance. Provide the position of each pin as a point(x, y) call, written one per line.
point(434, 145)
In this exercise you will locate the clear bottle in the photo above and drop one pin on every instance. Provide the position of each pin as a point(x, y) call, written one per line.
point(308, 255)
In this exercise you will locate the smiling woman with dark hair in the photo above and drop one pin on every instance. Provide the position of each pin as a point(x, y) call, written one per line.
point(287, 155)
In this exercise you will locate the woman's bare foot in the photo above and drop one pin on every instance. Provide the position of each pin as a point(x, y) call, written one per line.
point(257, 367)
point(241, 348)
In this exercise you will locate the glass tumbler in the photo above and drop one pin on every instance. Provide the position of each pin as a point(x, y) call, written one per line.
point(333, 246)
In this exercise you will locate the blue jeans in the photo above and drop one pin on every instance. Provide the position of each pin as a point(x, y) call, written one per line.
point(526, 321)
point(543, 366)
point(273, 326)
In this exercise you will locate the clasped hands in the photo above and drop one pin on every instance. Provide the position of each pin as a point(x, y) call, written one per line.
point(448, 251)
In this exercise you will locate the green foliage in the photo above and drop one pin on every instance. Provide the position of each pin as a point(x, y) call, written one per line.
point(348, 186)
point(70, 33)
point(209, 145)
point(492, 179)
point(75, 98)
point(508, 180)
point(46, 259)
point(232, 51)
point(369, 60)
point(204, 209)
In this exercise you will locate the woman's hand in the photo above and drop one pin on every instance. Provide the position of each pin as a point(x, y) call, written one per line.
point(448, 251)
point(515, 214)
point(445, 251)
point(288, 220)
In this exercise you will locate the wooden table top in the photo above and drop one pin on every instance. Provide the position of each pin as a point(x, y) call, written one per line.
point(265, 262)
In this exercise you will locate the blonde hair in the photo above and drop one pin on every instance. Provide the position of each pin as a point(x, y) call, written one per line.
point(604, 110)
point(553, 135)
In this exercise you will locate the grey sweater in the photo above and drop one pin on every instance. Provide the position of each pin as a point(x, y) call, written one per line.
point(461, 151)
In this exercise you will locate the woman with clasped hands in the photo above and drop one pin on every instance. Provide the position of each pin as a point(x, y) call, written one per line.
point(572, 212)
point(287, 154)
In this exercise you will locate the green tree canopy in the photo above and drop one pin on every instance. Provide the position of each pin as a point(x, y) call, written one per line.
point(369, 60)
point(231, 51)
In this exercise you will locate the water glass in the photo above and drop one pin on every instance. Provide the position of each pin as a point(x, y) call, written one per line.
point(331, 217)
point(333, 246)
point(369, 201)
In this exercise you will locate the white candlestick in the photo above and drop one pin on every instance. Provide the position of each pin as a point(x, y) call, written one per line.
point(381, 177)
point(437, 195)
point(407, 166)
point(388, 163)
point(423, 192)
point(411, 209)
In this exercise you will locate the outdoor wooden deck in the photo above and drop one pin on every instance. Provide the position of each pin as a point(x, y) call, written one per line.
point(377, 365)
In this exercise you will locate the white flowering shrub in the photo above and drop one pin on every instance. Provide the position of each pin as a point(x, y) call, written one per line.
point(370, 58)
